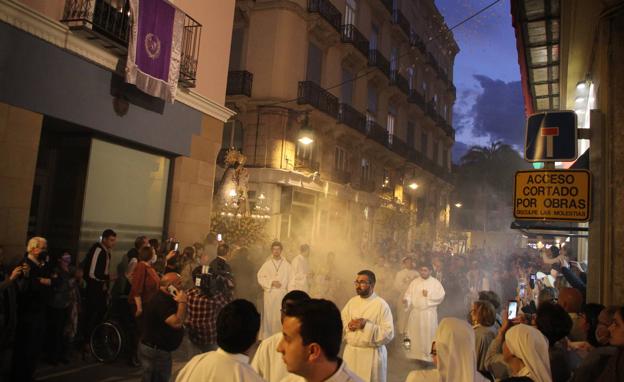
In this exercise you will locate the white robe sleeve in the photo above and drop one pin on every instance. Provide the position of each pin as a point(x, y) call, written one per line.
point(264, 277)
point(374, 334)
point(260, 361)
point(436, 294)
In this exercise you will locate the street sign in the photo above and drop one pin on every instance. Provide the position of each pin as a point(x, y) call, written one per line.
point(562, 195)
point(551, 137)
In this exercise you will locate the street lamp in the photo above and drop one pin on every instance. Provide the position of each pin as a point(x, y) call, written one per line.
point(306, 134)
point(458, 205)
point(413, 185)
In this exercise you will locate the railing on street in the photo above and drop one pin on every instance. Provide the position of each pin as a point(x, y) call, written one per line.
point(351, 35)
point(109, 22)
point(399, 19)
point(352, 118)
point(239, 83)
point(327, 10)
point(312, 94)
point(376, 59)
point(396, 79)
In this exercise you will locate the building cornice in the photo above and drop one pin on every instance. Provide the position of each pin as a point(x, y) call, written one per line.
point(56, 33)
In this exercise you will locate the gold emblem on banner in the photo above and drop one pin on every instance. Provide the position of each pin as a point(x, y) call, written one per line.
point(152, 46)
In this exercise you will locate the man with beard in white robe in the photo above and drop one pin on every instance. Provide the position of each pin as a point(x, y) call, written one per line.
point(300, 268)
point(402, 280)
point(273, 277)
point(422, 298)
point(267, 362)
point(368, 327)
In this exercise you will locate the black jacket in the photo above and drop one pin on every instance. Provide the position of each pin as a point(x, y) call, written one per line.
point(96, 264)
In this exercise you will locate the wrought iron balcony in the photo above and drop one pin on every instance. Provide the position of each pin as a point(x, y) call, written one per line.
point(377, 133)
point(416, 98)
point(239, 83)
point(431, 110)
point(306, 164)
point(399, 19)
point(352, 118)
point(342, 176)
point(351, 35)
point(417, 42)
point(366, 185)
point(109, 23)
point(376, 59)
point(396, 79)
point(311, 93)
point(398, 145)
point(327, 11)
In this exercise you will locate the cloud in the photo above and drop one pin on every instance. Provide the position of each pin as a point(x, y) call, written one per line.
point(498, 112)
point(459, 149)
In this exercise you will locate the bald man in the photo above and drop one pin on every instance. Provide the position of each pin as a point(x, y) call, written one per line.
point(571, 300)
point(163, 319)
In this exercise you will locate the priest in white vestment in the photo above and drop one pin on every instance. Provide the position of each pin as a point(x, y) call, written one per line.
point(273, 277)
point(267, 362)
point(421, 299)
point(367, 327)
point(300, 270)
point(402, 280)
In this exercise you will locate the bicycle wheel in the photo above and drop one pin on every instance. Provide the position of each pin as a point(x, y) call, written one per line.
point(106, 342)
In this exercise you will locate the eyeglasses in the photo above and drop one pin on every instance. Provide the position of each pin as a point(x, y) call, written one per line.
point(361, 282)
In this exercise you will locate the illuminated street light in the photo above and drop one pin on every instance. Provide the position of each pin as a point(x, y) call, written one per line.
point(306, 140)
point(413, 185)
point(458, 205)
point(233, 192)
point(306, 134)
point(261, 197)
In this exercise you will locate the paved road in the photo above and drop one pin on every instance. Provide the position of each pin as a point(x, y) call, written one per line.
point(90, 371)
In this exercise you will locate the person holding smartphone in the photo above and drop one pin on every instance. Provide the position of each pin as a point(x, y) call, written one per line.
point(163, 319)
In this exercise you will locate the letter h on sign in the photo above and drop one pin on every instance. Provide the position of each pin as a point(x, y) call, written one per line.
point(551, 137)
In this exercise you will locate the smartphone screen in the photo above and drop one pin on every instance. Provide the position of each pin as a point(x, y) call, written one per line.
point(512, 310)
point(532, 281)
point(175, 247)
point(522, 290)
point(219, 237)
point(173, 290)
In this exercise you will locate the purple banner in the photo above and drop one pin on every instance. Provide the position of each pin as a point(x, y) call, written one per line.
point(154, 49)
point(154, 38)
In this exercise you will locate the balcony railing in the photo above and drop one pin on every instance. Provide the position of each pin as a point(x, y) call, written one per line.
point(398, 145)
point(416, 98)
point(327, 11)
point(377, 133)
point(342, 176)
point(366, 185)
point(376, 59)
point(306, 164)
point(351, 35)
point(417, 42)
point(101, 20)
point(396, 79)
point(312, 94)
point(239, 83)
point(399, 19)
point(352, 118)
point(431, 110)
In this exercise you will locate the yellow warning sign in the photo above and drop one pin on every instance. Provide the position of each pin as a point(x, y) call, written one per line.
point(562, 195)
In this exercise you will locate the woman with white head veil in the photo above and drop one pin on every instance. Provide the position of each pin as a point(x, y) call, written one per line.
point(453, 353)
point(526, 353)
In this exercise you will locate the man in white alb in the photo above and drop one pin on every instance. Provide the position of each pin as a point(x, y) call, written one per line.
point(267, 362)
point(300, 270)
point(273, 277)
point(402, 280)
point(421, 299)
point(368, 327)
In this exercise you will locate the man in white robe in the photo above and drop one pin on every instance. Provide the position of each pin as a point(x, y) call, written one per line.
point(368, 327)
point(402, 280)
point(312, 334)
point(229, 363)
point(273, 277)
point(421, 299)
point(300, 270)
point(267, 362)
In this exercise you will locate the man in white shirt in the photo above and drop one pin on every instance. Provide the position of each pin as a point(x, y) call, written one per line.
point(312, 334)
point(368, 327)
point(237, 329)
point(300, 268)
point(422, 298)
point(273, 277)
point(267, 362)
